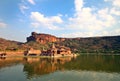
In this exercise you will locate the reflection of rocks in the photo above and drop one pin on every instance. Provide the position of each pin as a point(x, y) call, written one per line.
point(105, 63)
point(2, 58)
point(9, 59)
point(6, 62)
point(31, 59)
point(34, 67)
point(41, 66)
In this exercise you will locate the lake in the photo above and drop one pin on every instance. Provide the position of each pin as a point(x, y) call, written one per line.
point(81, 68)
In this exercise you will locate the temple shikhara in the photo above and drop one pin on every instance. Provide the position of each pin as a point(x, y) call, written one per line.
point(56, 51)
point(53, 51)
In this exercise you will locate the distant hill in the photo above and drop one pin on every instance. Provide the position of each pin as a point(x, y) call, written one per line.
point(108, 44)
point(8, 44)
point(92, 44)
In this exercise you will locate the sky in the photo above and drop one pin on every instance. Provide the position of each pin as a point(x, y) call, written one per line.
point(62, 18)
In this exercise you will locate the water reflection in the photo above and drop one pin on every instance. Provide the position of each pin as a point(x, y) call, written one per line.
point(8, 62)
point(86, 64)
point(95, 63)
point(2, 58)
point(42, 66)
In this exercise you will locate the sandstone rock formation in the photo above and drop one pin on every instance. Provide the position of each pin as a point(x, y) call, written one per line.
point(43, 38)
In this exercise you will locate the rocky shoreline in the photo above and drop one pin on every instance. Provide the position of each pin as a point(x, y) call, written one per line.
point(21, 54)
point(13, 53)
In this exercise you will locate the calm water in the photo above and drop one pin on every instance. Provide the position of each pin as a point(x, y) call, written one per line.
point(82, 68)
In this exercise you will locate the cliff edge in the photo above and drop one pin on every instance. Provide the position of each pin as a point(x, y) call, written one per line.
point(43, 38)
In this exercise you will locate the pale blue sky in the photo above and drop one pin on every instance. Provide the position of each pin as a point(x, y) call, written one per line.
point(62, 18)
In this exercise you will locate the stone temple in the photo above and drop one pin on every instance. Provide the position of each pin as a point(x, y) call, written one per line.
point(54, 51)
point(57, 51)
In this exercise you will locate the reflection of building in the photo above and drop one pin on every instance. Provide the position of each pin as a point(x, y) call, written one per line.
point(57, 51)
point(43, 66)
point(9, 61)
point(31, 59)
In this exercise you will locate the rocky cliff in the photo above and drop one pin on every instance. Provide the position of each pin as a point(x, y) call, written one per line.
point(43, 38)
point(106, 44)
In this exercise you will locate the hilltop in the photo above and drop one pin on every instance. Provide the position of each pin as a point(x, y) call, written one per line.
point(43, 38)
point(108, 44)
point(9, 45)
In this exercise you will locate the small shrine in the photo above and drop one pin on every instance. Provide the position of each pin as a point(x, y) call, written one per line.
point(56, 51)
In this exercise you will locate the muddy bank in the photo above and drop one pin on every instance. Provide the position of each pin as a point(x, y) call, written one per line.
point(13, 53)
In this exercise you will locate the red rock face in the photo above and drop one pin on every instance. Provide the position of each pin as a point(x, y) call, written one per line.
point(43, 38)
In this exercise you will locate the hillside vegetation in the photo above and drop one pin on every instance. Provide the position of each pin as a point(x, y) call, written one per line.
point(109, 44)
point(94, 44)
point(8, 45)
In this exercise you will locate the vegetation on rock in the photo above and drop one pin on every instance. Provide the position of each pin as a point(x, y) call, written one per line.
point(95, 44)
point(110, 44)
